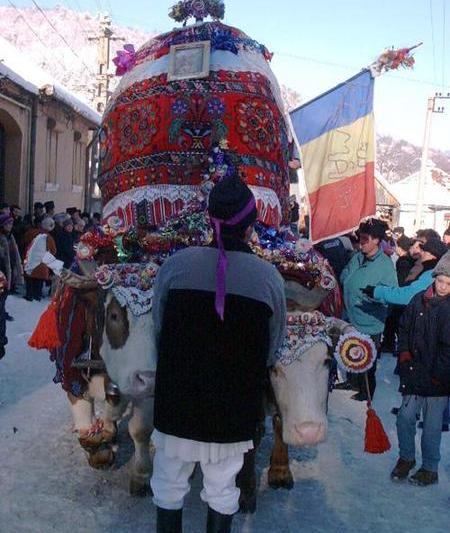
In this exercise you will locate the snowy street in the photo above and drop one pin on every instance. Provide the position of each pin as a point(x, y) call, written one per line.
point(47, 486)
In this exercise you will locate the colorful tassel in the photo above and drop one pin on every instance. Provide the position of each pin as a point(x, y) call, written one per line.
point(376, 440)
point(46, 334)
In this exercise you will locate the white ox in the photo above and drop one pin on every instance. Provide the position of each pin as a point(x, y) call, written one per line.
point(128, 351)
point(299, 392)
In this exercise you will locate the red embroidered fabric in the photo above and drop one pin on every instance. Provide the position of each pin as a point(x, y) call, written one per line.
point(160, 133)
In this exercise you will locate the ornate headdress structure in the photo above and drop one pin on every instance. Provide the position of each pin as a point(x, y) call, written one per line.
point(181, 95)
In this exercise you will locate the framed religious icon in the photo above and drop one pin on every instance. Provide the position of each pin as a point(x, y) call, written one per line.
point(189, 61)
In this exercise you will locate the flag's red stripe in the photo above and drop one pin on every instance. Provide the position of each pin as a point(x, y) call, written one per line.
point(340, 206)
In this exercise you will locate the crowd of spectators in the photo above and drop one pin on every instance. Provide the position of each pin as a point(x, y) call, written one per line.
point(17, 233)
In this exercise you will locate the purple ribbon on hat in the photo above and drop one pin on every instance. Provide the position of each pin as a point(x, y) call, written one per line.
point(222, 261)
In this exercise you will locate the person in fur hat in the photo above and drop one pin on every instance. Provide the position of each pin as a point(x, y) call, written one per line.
point(219, 314)
point(424, 369)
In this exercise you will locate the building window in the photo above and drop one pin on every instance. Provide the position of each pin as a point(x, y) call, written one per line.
point(78, 160)
point(51, 163)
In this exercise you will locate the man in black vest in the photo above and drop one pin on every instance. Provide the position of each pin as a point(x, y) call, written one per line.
point(219, 314)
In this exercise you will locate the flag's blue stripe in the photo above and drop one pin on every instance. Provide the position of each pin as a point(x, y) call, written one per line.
point(338, 107)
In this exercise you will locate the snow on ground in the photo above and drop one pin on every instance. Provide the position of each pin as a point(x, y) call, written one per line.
point(47, 486)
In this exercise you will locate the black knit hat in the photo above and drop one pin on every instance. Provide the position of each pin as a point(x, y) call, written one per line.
point(435, 247)
point(373, 227)
point(228, 198)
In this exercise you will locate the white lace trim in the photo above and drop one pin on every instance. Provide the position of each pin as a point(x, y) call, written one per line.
point(194, 451)
point(150, 193)
point(245, 61)
point(173, 193)
point(268, 198)
point(138, 301)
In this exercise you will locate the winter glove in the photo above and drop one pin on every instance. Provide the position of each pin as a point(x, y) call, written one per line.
point(369, 291)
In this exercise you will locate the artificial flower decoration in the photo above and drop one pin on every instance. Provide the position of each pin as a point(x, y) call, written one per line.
point(392, 59)
point(198, 9)
point(355, 352)
point(125, 60)
point(84, 251)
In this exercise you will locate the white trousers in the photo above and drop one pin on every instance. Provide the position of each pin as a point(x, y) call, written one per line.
point(170, 482)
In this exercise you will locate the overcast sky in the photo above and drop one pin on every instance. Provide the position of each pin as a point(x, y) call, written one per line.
point(319, 43)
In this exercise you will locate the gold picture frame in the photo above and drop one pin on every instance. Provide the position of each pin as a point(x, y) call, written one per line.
point(189, 61)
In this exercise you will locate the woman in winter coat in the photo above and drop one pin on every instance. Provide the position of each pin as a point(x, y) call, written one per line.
point(370, 266)
point(424, 368)
point(65, 242)
point(35, 279)
point(13, 264)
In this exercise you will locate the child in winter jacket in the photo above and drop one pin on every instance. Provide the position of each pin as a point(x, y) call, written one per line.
point(424, 368)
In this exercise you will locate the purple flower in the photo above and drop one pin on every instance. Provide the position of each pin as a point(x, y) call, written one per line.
point(216, 108)
point(180, 107)
point(125, 59)
point(198, 9)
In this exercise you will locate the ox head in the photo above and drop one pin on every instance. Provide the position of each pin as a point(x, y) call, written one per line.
point(129, 349)
point(125, 341)
point(301, 392)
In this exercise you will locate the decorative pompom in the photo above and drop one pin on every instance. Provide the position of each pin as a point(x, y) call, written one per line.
point(355, 352)
point(46, 335)
point(376, 440)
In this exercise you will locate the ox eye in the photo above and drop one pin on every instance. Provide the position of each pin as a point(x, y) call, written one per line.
point(114, 316)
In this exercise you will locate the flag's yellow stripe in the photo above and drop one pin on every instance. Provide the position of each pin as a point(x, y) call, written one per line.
point(339, 153)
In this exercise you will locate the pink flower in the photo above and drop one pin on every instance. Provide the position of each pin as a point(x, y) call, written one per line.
point(125, 59)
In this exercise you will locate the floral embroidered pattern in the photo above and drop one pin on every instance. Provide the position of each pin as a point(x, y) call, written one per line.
point(257, 126)
point(221, 36)
point(303, 331)
point(197, 122)
point(138, 126)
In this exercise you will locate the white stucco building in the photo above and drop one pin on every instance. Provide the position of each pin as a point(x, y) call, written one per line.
point(436, 200)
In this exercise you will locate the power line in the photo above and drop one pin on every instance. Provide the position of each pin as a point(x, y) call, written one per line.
point(45, 45)
point(71, 8)
point(61, 36)
point(350, 67)
point(433, 41)
point(444, 35)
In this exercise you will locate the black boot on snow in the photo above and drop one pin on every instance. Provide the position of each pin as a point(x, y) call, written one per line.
point(168, 521)
point(218, 523)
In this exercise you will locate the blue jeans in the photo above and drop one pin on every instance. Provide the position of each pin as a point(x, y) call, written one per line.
point(432, 412)
point(446, 419)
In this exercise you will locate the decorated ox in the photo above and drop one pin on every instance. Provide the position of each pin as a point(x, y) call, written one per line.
point(118, 366)
point(128, 350)
point(297, 391)
point(300, 377)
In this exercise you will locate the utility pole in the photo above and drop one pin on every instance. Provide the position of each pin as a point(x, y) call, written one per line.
point(432, 107)
point(102, 92)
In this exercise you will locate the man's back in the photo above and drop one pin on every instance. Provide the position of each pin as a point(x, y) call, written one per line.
point(211, 372)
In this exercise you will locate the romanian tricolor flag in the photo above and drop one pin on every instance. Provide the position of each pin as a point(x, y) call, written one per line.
point(336, 136)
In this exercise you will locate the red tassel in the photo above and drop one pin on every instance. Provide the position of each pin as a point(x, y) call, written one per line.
point(46, 335)
point(376, 440)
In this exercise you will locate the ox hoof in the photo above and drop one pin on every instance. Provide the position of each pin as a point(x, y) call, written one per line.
point(281, 480)
point(247, 503)
point(101, 459)
point(139, 488)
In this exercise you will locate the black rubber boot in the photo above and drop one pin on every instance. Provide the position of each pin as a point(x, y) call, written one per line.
point(218, 523)
point(168, 521)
